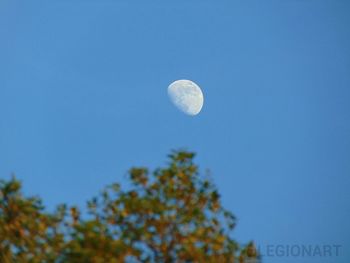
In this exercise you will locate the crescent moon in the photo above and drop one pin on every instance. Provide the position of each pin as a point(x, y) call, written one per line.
point(187, 96)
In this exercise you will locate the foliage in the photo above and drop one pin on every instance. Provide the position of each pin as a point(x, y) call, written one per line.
point(170, 215)
point(27, 233)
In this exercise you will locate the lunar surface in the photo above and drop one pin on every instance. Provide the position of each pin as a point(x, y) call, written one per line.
point(186, 96)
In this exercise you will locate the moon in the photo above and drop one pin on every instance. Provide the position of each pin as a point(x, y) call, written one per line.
point(187, 96)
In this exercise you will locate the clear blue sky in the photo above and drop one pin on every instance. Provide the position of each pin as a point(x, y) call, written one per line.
point(83, 97)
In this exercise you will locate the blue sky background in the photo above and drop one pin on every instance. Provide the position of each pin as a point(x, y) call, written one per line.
point(83, 97)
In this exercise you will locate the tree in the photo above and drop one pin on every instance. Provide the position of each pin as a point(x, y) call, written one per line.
point(27, 233)
point(170, 215)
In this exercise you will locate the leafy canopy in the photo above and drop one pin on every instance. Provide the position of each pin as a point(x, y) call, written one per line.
point(170, 215)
